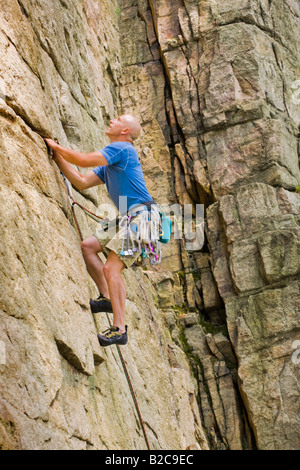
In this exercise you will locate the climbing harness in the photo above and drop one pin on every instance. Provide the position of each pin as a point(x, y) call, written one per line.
point(105, 222)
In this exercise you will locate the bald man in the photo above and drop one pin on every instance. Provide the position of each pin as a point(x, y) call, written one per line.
point(118, 167)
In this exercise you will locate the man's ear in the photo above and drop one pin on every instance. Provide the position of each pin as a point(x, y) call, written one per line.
point(125, 131)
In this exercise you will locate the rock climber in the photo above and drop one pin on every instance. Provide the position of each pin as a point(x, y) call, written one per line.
point(118, 167)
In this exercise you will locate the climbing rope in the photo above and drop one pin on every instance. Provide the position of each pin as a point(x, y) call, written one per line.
point(131, 389)
point(97, 219)
point(74, 203)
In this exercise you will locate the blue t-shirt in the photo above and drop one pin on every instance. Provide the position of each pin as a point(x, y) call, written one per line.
point(123, 176)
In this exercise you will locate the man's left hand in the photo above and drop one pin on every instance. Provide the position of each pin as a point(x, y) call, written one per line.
point(52, 144)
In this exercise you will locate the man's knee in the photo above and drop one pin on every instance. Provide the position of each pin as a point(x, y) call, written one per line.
point(113, 266)
point(109, 270)
point(91, 245)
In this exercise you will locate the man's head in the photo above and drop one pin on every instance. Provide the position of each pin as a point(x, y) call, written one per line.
point(123, 128)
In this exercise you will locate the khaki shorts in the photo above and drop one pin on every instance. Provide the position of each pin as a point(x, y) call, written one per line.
point(112, 240)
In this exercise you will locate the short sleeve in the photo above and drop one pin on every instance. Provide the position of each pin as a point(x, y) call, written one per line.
point(99, 171)
point(112, 153)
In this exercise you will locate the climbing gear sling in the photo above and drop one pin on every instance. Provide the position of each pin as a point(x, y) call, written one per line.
point(145, 235)
point(141, 229)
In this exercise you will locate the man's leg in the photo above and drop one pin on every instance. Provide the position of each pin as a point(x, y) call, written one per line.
point(113, 273)
point(90, 248)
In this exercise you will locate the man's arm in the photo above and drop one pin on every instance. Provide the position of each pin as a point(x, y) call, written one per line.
point(84, 160)
point(79, 180)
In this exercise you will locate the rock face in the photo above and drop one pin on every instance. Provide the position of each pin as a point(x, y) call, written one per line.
point(213, 329)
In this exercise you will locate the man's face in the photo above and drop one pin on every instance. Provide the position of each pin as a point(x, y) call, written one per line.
point(116, 126)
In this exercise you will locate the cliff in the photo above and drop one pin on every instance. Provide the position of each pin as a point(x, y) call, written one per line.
point(212, 331)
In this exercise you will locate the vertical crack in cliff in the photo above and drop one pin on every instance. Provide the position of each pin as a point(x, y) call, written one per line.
point(177, 134)
point(144, 19)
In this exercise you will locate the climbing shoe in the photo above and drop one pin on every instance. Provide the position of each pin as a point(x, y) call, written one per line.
point(102, 304)
point(112, 336)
